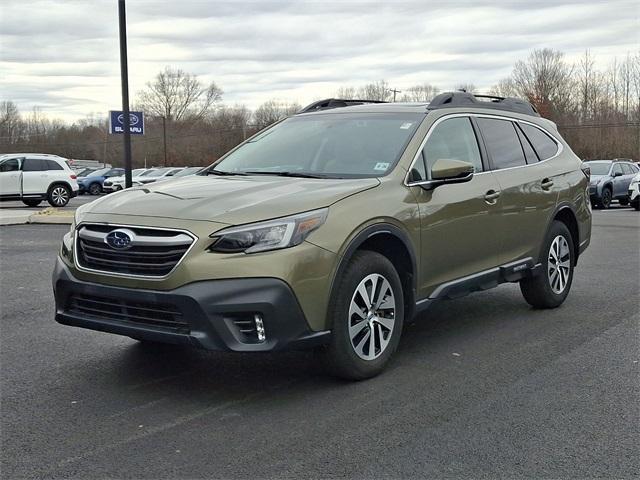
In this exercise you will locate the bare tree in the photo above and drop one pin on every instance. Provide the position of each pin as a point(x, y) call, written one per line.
point(178, 95)
point(273, 110)
point(504, 88)
point(9, 122)
point(346, 93)
point(420, 93)
point(545, 79)
point(467, 87)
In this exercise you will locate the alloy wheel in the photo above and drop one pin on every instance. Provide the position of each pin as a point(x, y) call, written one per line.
point(60, 196)
point(372, 314)
point(606, 198)
point(559, 264)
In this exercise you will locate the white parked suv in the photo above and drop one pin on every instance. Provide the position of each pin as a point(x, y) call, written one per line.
point(34, 177)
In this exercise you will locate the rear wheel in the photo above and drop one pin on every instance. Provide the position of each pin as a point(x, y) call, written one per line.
point(95, 189)
point(550, 287)
point(31, 203)
point(605, 201)
point(624, 202)
point(367, 314)
point(58, 195)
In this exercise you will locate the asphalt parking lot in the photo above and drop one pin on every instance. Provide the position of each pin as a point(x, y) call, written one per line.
point(481, 387)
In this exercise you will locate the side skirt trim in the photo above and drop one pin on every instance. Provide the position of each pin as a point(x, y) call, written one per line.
point(510, 272)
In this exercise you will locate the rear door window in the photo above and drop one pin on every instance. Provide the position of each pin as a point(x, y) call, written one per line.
point(543, 144)
point(502, 143)
point(34, 165)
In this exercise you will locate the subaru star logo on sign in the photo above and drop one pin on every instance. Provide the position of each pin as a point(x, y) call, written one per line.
point(136, 122)
point(119, 239)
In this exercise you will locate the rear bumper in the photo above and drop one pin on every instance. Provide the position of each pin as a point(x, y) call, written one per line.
point(208, 314)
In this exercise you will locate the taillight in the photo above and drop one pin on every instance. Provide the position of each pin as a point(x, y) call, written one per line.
point(587, 171)
point(73, 177)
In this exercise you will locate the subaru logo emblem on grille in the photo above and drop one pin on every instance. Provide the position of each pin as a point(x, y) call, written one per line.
point(119, 239)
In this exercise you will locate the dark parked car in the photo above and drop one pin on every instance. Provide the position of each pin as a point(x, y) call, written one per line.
point(610, 180)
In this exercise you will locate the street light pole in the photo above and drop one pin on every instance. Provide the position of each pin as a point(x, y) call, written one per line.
point(124, 78)
point(164, 138)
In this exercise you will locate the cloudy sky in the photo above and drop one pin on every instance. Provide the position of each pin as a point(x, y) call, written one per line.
point(62, 55)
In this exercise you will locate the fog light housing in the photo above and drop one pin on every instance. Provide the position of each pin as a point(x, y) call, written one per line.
point(259, 328)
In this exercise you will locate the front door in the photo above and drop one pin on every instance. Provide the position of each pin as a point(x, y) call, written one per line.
point(10, 177)
point(459, 234)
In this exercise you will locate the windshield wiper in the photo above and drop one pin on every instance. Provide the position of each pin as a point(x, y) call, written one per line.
point(284, 174)
point(223, 173)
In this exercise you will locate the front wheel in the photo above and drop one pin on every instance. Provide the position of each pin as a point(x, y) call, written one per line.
point(95, 189)
point(59, 195)
point(605, 201)
point(550, 287)
point(367, 317)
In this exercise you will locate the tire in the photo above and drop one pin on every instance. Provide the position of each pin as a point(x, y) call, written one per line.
point(624, 202)
point(351, 354)
point(637, 206)
point(95, 189)
point(58, 195)
point(551, 286)
point(117, 188)
point(31, 203)
point(605, 200)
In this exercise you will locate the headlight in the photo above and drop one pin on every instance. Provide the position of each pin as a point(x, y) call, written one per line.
point(271, 235)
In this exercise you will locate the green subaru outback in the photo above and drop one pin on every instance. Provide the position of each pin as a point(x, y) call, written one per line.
point(333, 228)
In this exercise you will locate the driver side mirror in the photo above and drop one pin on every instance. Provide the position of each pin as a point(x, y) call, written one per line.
point(617, 174)
point(446, 171)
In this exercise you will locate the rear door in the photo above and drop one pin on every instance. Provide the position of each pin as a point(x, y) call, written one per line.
point(10, 177)
point(35, 177)
point(528, 185)
point(458, 221)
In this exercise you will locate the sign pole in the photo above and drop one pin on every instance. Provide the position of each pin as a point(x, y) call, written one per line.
point(124, 75)
point(164, 138)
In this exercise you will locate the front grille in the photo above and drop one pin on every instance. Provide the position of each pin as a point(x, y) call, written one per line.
point(150, 252)
point(164, 316)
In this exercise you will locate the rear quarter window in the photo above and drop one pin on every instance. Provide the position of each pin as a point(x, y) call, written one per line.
point(543, 144)
point(52, 165)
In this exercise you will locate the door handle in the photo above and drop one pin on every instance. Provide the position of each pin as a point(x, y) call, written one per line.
point(491, 197)
point(546, 184)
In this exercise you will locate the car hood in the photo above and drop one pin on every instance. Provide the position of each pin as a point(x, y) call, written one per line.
point(230, 200)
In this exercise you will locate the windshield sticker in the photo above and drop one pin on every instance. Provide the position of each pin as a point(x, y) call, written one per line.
point(381, 166)
point(406, 126)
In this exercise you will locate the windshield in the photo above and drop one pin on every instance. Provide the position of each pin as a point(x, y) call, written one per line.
point(99, 173)
point(599, 168)
point(338, 145)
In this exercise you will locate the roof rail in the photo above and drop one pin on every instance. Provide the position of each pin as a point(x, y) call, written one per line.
point(464, 99)
point(328, 103)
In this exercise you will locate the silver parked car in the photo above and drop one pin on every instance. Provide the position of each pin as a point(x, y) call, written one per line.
point(610, 180)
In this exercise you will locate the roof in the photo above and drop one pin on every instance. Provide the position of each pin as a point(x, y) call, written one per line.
point(467, 101)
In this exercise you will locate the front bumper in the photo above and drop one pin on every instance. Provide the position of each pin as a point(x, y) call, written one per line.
point(207, 314)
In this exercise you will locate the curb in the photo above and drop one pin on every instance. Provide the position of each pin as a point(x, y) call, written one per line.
point(27, 218)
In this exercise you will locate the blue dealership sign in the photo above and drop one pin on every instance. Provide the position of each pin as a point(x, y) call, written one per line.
point(116, 122)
